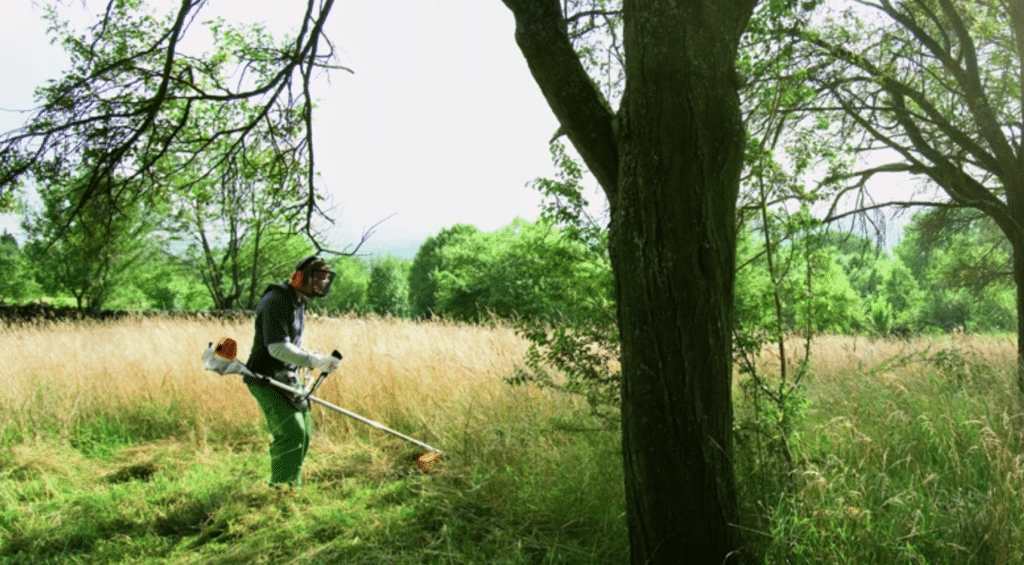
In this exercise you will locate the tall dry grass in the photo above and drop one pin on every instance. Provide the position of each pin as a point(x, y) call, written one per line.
point(515, 487)
point(844, 355)
point(907, 451)
point(442, 380)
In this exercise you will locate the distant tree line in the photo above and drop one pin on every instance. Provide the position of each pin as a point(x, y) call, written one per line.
point(951, 269)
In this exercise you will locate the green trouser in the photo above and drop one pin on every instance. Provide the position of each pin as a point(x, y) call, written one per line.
point(291, 428)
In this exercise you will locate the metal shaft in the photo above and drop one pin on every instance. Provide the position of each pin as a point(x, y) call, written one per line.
point(353, 415)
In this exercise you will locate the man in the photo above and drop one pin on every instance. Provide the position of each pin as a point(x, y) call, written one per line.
point(277, 352)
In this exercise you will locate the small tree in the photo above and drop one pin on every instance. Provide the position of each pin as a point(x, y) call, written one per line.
point(582, 343)
point(349, 289)
point(18, 283)
point(388, 290)
point(426, 264)
point(85, 251)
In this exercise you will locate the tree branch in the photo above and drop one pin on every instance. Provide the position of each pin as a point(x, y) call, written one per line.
point(580, 108)
point(145, 112)
point(833, 217)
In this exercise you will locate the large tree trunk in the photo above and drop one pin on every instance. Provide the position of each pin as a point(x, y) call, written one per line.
point(1018, 278)
point(1010, 219)
point(673, 250)
point(671, 170)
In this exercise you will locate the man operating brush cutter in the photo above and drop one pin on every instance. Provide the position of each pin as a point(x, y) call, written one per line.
point(271, 372)
point(277, 352)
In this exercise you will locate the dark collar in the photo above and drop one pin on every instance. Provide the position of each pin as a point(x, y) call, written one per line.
point(288, 291)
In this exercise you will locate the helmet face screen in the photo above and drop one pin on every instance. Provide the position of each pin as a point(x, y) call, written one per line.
point(316, 277)
point(318, 283)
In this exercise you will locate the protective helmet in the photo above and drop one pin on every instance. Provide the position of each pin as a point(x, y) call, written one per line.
point(313, 277)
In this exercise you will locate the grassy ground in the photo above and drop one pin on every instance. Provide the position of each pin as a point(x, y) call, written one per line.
point(905, 452)
point(116, 447)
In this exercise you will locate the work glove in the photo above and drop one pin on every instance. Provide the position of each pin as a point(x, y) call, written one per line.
point(323, 363)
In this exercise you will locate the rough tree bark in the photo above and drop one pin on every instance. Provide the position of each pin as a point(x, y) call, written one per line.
point(670, 164)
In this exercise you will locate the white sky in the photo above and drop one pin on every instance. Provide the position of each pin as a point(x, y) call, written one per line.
point(440, 124)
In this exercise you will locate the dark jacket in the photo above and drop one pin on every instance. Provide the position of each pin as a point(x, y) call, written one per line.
point(280, 316)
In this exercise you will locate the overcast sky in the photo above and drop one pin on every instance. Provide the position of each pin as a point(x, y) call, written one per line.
point(440, 124)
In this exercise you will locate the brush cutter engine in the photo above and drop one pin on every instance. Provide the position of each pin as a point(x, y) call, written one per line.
point(222, 359)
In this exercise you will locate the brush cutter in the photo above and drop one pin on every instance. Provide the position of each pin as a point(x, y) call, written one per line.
point(221, 359)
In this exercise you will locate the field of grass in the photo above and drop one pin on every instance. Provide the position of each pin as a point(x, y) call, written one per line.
point(905, 452)
point(116, 447)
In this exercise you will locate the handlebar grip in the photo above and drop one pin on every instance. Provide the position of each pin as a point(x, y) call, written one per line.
point(337, 355)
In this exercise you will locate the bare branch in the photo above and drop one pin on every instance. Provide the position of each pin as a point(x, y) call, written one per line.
point(833, 217)
point(592, 14)
point(367, 234)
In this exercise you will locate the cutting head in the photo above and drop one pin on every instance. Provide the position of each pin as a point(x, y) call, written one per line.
point(429, 460)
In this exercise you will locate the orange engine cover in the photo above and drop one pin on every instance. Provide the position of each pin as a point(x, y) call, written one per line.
point(226, 348)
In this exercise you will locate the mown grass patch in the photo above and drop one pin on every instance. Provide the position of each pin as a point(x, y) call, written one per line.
point(215, 508)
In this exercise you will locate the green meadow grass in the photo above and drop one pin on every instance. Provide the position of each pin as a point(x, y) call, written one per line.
point(117, 458)
point(166, 503)
point(908, 452)
point(116, 447)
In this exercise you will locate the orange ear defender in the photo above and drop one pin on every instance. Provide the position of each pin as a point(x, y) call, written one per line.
point(298, 277)
point(314, 270)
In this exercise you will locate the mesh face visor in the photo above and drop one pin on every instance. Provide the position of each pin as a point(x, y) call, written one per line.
point(316, 276)
point(318, 282)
